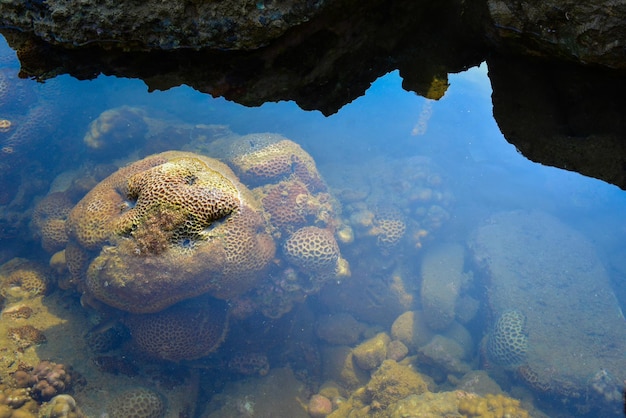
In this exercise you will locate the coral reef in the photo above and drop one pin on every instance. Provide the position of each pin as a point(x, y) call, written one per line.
point(116, 365)
point(17, 402)
point(23, 279)
point(313, 260)
point(17, 312)
point(137, 403)
point(264, 158)
point(45, 381)
point(445, 354)
point(26, 336)
point(508, 342)
point(61, 406)
point(313, 250)
point(388, 226)
point(48, 221)
point(116, 131)
point(186, 331)
point(166, 228)
point(249, 364)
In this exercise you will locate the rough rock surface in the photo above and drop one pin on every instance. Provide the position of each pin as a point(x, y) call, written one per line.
point(587, 32)
point(236, 24)
point(578, 129)
point(551, 273)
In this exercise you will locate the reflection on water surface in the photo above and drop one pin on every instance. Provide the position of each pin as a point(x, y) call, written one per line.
point(398, 257)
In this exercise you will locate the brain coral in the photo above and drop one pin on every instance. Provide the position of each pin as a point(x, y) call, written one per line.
point(137, 403)
point(389, 226)
point(508, 342)
point(186, 331)
point(23, 279)
point(48, 222)
point(113, 132)
point(312, 249)
point(166, 228)
point(267, 158)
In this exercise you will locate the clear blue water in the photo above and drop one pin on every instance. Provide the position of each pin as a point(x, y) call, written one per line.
point(555, 227)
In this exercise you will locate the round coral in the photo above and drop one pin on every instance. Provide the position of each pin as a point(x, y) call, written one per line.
point(23, 279)
point(389, 226)
point(264, 158)
point(508, 342)
point(48, 222)
point(137, 403)
point(167, 228)
point(186, 331)
point(312, 249)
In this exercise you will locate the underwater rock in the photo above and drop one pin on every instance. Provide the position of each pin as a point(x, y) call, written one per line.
point(442, 281)
point(339, 329)
point(319, 406)
point(279, 394)
point(445, 354)
point(396, 350)
point(571, 313)
point(411, 329)
point(338, 365)
point(371, 353)
point(48, 221)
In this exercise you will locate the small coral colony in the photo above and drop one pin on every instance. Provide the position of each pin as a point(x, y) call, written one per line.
point(172, 276)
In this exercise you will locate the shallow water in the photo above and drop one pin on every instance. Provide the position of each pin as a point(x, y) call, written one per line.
point(484, 232)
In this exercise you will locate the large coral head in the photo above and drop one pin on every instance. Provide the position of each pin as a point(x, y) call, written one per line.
point(167, 228)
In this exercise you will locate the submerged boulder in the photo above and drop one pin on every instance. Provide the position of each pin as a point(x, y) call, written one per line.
point(543, 272)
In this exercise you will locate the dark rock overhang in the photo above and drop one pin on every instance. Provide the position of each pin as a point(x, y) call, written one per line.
point(555, 111)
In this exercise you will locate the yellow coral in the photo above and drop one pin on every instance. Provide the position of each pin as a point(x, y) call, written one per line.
point(491, 406)
point(268, 158)
point(49, 219)
point(312, 249)
point(23, 279)
point(169, 227)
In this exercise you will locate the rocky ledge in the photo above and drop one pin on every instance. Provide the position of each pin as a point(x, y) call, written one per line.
point(557, 67)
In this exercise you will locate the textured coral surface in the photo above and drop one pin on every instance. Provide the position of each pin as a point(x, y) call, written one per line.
point(166, 228)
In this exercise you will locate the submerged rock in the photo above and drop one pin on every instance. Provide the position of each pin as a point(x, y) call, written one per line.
point(542, 269)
